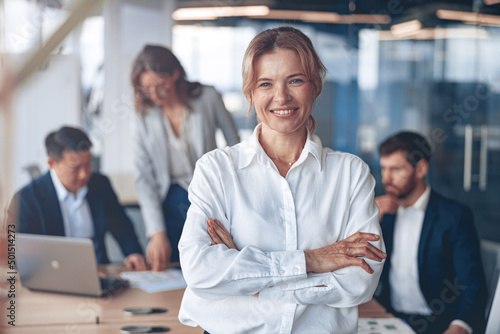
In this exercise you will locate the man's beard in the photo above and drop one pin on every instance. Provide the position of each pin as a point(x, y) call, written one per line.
point(404, 195)
point(401, 195)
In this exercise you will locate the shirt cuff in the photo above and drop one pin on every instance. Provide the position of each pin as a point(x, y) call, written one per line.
point(285, 265)
point(463, 324)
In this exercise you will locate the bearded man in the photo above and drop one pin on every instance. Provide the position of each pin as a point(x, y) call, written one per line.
point(433, 275)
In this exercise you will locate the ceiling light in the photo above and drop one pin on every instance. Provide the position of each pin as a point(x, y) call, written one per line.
point(437, 33)
point(326, 17)
point(302, 15)
point(212, 13)
point(263, 12)
point(468, 17)
point(406, 28)
point(366, 19)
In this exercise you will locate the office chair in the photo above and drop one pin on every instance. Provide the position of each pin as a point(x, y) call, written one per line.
point(490, 253)
point(493, 321)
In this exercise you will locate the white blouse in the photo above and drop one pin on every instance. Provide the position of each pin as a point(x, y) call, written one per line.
point(182, 167)
point(325, 197)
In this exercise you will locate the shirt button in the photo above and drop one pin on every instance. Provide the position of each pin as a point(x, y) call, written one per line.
point(285, 286)
point(295, 270)
point(282, 272)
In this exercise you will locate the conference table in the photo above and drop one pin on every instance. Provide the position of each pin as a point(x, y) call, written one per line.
point(53, 313)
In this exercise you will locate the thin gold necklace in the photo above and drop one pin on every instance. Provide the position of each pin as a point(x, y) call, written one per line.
point(285, 162)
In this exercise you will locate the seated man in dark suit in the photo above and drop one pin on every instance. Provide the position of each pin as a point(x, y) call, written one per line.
point(72, 201)
point(433, 275)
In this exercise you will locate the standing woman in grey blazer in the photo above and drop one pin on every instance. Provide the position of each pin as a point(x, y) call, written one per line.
point(175, 125)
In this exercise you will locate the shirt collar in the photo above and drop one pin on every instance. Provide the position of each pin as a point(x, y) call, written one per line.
point(251, 149)
point(62, 192)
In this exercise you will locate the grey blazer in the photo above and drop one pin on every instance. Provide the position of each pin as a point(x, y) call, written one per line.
point(151, 156)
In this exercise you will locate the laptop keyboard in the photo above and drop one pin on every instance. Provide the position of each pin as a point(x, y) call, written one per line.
point(112, 284)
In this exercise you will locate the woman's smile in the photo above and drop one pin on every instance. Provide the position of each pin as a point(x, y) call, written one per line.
point(283, 95)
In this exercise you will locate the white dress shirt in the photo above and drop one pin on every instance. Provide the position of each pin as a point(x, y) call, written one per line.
point(75, 210)
point(326, 197)
point(406, 295)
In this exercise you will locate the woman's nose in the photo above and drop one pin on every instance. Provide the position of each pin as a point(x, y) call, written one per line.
point(281, 94)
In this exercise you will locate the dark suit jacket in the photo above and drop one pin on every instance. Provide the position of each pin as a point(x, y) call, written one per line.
point(35, 209)
point(449, 264)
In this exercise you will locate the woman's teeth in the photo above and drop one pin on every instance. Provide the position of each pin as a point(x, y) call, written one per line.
point(283, 112)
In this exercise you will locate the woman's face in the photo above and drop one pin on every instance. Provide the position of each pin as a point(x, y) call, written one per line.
point(282, 94)
point(159, 88)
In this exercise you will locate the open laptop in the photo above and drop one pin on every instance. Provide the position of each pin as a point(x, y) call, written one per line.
point(61, 264)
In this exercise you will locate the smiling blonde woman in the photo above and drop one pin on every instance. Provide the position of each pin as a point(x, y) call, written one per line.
point(282, 235)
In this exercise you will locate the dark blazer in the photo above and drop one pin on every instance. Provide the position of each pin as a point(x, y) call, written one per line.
point(449, 264)
point(35, 209)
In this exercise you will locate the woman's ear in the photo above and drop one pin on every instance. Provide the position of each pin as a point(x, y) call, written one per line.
point(176, 74)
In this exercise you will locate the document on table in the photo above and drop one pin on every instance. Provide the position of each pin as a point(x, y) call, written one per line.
point(151, 281)
point(383, 326)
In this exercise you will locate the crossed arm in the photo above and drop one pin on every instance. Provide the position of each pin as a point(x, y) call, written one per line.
point(341, 254)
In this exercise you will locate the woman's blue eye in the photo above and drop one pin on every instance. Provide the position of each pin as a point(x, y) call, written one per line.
point(265, 84)
point(296, 81)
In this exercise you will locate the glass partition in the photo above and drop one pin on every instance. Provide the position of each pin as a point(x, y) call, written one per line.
point(440, 80)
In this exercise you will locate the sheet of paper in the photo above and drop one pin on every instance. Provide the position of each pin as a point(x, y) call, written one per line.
point(150, 281)
point(383, 326)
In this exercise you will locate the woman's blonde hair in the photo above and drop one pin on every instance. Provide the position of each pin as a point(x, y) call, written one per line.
point(283, 38)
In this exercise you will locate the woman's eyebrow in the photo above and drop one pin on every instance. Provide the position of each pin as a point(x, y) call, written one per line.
point(296, 75)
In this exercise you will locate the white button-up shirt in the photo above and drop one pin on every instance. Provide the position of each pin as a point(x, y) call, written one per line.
point(326, 197)
point(75, 210)
point(406, 295)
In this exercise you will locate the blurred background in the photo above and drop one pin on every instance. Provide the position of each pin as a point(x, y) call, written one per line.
point(429, 66)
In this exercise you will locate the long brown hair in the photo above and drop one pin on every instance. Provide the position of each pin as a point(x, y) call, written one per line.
point(284, 38)
point(162, 61)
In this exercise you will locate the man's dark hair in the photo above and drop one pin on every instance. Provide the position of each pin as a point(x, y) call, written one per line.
point(415, 145)
point(66, 139)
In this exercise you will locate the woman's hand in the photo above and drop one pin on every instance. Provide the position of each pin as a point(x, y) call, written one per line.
point(219, 234)
point(344, 253)
point(158, 251)
point(135, 262)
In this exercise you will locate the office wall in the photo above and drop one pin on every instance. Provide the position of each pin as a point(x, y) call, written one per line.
point(51, 98)
point(129, 25)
